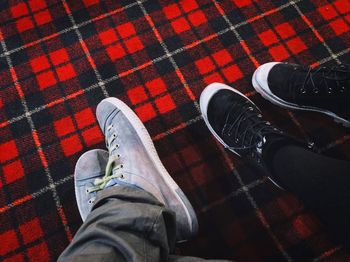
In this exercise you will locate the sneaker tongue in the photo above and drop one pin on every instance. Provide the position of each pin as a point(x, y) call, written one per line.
point(111, 182)
point(246, 125)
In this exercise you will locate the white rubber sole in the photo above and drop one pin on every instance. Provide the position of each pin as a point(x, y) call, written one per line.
point(265, 92)
point(152, 152)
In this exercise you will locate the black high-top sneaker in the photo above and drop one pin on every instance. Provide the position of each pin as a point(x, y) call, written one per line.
point(324, 89)
point(237, 123)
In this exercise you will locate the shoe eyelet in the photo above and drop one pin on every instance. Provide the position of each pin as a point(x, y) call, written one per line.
point(316, 90)
point(302, 90)
point(329, 90)
point(121, 166)
point(342, 89)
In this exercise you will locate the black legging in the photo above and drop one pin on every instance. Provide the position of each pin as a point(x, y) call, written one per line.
point(321, 182)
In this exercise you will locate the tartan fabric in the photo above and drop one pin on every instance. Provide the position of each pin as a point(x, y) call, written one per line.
point(59, 59)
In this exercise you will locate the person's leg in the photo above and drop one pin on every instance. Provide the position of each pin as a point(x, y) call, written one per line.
point(321, 182)
point(133, 210)
point(126, 224)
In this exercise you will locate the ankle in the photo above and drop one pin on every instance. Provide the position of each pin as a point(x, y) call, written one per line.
point(274, 143)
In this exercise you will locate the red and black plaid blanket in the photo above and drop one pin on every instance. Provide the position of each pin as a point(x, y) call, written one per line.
point(59, 59)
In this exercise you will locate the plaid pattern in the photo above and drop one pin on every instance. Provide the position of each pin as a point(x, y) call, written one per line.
point(59, 59)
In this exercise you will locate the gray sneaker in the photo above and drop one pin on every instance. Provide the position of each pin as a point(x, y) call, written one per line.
point(133, 160)
point(90, 166)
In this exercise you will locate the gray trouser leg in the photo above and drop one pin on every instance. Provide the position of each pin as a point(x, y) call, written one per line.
point(126, 224)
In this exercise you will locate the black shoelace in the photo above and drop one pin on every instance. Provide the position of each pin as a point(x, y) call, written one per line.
point(339, 74)
point(246, 127)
